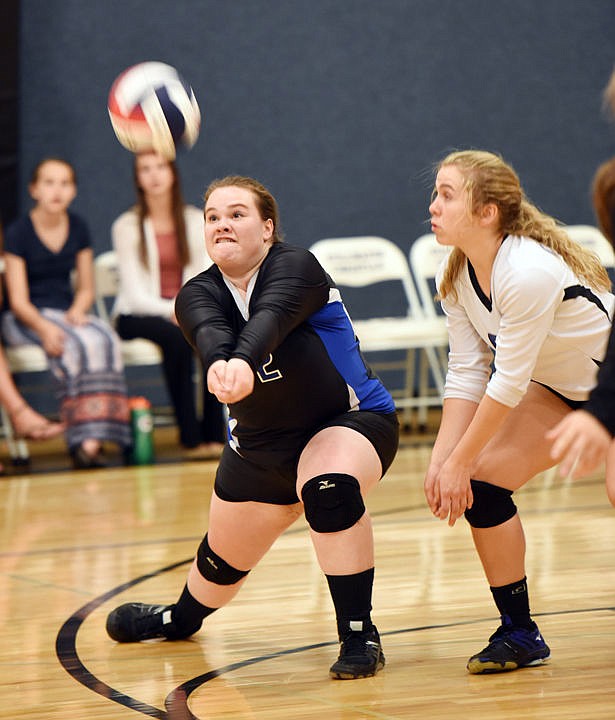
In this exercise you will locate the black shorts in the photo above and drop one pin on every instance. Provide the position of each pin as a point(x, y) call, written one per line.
point(572, 404)
point(273, 478)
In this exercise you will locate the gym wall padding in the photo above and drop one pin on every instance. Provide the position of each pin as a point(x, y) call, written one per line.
point(9, 104)
point(340, 106)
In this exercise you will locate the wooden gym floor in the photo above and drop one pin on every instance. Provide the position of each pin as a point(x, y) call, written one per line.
point(76, 544)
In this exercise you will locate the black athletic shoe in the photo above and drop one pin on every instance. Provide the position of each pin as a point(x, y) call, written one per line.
point(510, 648)
point(133, 622)
point(360, 656)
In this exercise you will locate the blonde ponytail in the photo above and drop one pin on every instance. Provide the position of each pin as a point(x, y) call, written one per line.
point(488, 179)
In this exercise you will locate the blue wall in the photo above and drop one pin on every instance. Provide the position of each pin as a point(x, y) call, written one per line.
point(340, 106)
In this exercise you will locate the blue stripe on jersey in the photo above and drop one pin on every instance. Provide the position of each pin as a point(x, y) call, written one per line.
point(575, 291)
point(334, 328)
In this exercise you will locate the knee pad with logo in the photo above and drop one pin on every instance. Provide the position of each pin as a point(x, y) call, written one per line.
point(213, 568)
point(332, 502)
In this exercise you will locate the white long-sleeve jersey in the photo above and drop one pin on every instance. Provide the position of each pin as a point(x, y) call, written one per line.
point(541, 323)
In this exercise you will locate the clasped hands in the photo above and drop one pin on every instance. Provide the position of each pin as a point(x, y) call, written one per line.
point(448, 490)
point(580, 444)
point(230, 380)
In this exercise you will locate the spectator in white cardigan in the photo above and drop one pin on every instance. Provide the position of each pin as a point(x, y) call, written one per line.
point(160, 245)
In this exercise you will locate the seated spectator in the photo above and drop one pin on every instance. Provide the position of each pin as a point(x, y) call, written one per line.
point(160, 245)
point(27, 423)
point(43, 250)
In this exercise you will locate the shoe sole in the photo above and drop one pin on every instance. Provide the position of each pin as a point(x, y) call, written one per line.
point(479, 667)
point(341, 675)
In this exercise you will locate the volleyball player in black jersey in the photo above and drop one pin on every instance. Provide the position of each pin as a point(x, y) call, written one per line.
point(311, 429)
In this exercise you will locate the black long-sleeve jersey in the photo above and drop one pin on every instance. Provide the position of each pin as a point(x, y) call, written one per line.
point(295, 334)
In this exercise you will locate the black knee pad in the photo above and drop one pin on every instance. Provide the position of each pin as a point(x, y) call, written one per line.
point(332, 502)
point(492, 505)
point(213, 568)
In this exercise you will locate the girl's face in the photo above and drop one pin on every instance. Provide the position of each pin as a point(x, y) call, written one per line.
point(450, 220)
point(54, 188)
point(154, 174)
point(236, 237)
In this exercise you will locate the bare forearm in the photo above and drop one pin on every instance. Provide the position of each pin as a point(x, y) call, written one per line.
point(457, 415)
point(82, 301)
point(466, 428)
point(488, 418)
point(29, 315)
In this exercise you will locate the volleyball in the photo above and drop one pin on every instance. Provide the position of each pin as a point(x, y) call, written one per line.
point(152, 108)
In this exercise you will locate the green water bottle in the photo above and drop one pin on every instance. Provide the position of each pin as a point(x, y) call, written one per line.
point(142, 424)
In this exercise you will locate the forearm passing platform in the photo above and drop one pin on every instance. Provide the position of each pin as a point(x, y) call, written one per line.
point(213, 568)
point(332, 502)
point(493, 505)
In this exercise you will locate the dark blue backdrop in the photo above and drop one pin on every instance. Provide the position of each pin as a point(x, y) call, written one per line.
point(340, 106)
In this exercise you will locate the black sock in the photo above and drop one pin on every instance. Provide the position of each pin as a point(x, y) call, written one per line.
point(188, 614)
point(513, 600)
point(352, 598)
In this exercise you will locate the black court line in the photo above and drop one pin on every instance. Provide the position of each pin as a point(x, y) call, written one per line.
point(176, 702)
point(66, 648)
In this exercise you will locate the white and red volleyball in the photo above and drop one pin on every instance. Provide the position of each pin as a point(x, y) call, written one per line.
point(152, 108)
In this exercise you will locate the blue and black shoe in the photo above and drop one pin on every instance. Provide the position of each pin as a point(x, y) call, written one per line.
point(509, 648)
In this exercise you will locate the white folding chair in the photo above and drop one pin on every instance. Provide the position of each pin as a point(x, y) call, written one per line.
point(425, 257)
point(591, 238)
point(106, 274)
point(362, 261)
point(139, 351)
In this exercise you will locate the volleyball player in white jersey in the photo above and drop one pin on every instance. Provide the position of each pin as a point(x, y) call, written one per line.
point(523, 299)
